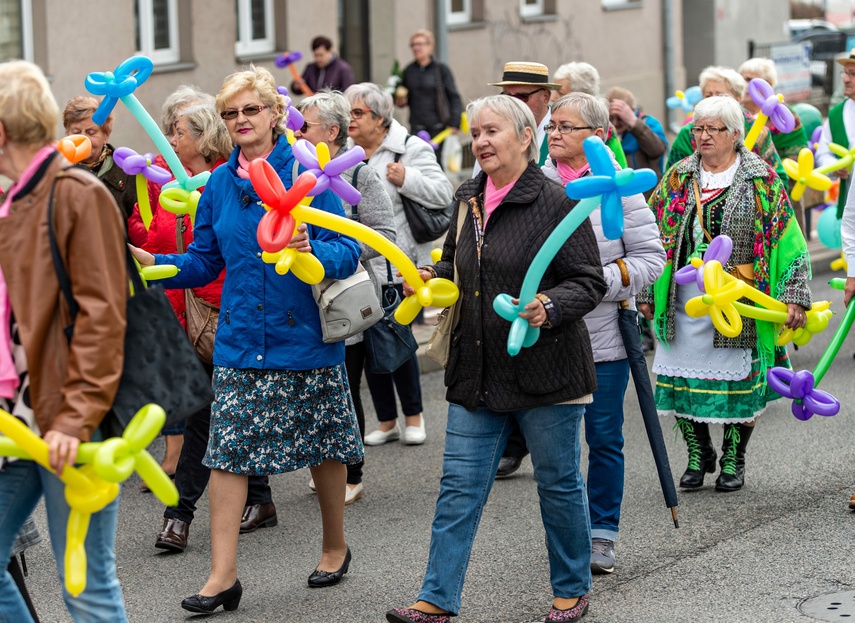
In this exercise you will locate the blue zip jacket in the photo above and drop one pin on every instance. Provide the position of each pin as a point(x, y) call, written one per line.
point(267, 321)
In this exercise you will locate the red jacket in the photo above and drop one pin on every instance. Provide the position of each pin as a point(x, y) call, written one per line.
point(160, 238)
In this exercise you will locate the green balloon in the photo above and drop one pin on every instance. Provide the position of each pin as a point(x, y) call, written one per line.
point(810, 116)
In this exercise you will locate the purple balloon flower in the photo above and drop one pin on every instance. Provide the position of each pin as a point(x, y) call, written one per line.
point(719, 249)
point(330, 175)
point(295, 117)
point(814, 139)
point(426, 138)
point(799, 386)
point(133, 163)
point(283, 60)
point(130, 74)
point(770, 105)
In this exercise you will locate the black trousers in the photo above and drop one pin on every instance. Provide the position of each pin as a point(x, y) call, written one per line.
point(191, 477)
point(354, 362)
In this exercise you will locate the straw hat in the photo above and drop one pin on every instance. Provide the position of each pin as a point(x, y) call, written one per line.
point(849, 59)
point(528, 74)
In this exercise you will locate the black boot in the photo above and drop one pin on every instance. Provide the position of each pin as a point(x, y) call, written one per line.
point(701, 453)
point(732, 475)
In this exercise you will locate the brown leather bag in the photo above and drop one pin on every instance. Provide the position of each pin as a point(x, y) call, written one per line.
point(201, 317)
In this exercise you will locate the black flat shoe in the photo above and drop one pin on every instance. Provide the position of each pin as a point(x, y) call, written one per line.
point(320, 579)
point(228, 599)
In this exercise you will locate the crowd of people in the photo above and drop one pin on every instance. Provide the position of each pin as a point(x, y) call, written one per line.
point(286, 400)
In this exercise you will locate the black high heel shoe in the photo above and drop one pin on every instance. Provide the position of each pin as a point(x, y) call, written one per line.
point(228, 599)
point(320, 579)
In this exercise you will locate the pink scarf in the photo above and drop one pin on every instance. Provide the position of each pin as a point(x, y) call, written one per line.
point(243, 164)
point(493, 197)
point(8, 375)
point(568, 173)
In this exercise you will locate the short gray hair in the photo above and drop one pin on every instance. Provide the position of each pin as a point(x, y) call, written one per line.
point(333, 109)
point(184, 96)
point(215, 143)
point(511, 109)
point(377, 99)
point(731, 78)
point(582, 77)
point(593, 110)
point(761, 67)
point(724, 108)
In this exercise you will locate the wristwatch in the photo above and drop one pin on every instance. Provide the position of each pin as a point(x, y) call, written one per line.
point(549, 307)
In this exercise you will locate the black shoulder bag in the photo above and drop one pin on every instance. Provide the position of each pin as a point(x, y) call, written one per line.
point(388, 344)
point(160, 365)
point(427, 225)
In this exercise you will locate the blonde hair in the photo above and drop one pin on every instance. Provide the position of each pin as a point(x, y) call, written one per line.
point(619, 93)
point(261, 82)
point(28, 109)
point(184, 96)
point(83, 107)
point(423, 33)
point(204, 122)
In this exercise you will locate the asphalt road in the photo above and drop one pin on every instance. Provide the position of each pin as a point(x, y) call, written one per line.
point(749, 556)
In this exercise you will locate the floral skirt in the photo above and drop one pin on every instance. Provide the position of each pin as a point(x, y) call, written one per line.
point(276, 421)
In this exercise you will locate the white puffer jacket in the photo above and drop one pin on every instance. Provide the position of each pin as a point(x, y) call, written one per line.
point(642, 252)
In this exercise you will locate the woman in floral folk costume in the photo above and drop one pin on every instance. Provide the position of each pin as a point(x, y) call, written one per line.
point(703, 376)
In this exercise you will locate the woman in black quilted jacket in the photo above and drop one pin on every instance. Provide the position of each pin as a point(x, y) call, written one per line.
point(511, 208)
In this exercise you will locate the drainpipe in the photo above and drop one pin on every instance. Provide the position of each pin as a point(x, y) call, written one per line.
point(440, 32)
point(668, 57)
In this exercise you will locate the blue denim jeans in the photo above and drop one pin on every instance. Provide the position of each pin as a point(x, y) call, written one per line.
point(474, 441)
point(22, 484)
point(604, 436)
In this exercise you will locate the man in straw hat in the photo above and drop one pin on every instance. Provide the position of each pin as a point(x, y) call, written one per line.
point(840, 128)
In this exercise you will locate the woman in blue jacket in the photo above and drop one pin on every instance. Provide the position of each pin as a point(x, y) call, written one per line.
point(281, 395)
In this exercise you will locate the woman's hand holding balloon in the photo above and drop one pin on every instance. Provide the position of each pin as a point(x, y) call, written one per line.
point(143, 257)
point(300, 240)
point(796, 317)
point(534, 312)
point(62, 450)
point(425, 276)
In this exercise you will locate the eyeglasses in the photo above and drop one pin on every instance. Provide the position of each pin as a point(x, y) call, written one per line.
point(565, 129)
point(848, 74)
point(523, 97)
point(713, 132)
point(249, 111)
point(418, 44)
point(357, 113)
point(305, 127)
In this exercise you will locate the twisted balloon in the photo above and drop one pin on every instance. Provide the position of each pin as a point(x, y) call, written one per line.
point(685, 100)
point(316, 158)
point(771, 107)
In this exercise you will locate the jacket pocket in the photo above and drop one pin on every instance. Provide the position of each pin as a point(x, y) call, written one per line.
point(545, 367)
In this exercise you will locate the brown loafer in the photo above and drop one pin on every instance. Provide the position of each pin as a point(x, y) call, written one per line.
point(173, 536)
point(257, 516)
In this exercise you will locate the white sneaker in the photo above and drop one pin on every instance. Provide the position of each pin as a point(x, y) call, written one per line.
point(415, 435)
point(312, 484)
point(352, 495)
point(379, 437)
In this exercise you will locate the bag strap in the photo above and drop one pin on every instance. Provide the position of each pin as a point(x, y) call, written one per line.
point(461, 218)
point(398, 156)
point(700, 210)
point(354, 210)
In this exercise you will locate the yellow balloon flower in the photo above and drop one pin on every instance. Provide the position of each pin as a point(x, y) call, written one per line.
point(804, 174)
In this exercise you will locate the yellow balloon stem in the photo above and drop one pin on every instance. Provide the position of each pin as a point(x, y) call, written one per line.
point(841, 163)
point(441, 136)
point(75, 552)
point(754, 133)
point(323, 154)
point(143, 202)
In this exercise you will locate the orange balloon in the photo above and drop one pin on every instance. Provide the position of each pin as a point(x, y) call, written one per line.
point(75, 147)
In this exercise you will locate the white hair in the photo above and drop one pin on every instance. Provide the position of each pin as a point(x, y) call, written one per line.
point(511, 109)
point(724, 108)
point(762, 68)
point(730, 77)
point(582, 77)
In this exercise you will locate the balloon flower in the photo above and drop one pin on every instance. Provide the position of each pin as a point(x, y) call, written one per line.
point(142, 168)
point(328, 172)
point(721, 292)
point(427, 139)
point(287, 60)
point(604, 188)
point(120, 85)
point(295, 117)
point(801, 386)
point(685, 100)
point(804, 174)
point(845, 159)
point(90, 488)
point(771, 107)
point(75, 147)
point(437, 292)
point(814, 139)
point(840, 263)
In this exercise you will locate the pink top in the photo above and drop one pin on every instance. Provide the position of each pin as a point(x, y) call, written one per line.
point(568, 173)
point(243, 164)
point(493, 197)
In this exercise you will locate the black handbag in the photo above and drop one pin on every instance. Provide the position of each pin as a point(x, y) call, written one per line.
point(388, 344)
point(426, 225)
point(160, 365)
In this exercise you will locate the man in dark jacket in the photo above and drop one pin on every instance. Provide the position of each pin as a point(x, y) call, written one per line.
point(328, 70)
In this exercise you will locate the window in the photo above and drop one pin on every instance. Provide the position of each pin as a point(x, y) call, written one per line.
point(157, 30)
point(530, 8)
point(16, 30)
point(458, 11)
point(254, 27)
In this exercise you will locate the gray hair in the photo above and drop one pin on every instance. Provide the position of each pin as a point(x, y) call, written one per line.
point(582, 77)
point(215, 143)
point(731, 78)
point(593, 110)
point(333, 109)
point(761, 67)
point(377, 99)
point(511, 109)
point(184, 96)
point(724, 108)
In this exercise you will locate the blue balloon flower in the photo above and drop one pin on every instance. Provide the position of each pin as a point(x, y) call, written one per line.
point(130, 74)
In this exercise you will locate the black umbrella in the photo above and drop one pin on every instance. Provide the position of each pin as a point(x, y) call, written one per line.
point(629, 330)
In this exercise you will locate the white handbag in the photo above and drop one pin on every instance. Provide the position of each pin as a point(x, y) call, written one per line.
point(347, 306)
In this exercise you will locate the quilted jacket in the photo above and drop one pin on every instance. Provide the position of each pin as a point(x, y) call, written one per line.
point(560, 366)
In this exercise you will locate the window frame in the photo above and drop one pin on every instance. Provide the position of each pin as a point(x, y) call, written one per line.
point(617, 5)
point(145, 19)
point(244, 45)
point(536, 10)
point(453, 18)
